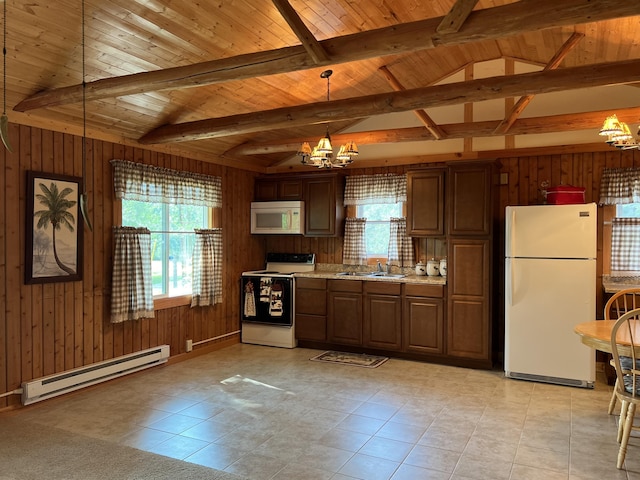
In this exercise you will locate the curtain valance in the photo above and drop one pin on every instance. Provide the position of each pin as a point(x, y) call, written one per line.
point(148, 183)
point(619, 186)
point(382, 188)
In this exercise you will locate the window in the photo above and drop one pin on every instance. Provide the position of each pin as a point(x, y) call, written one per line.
point(377, 226)
point(628, 210)
point(172, 238)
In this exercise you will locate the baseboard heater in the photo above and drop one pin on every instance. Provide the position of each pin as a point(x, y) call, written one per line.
point(64, 382)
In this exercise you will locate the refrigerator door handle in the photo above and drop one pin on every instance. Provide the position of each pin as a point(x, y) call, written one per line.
point(511, 233)
point(511, 284)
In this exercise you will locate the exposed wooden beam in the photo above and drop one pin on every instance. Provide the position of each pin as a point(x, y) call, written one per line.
point(439, 95)
point(308, 41)
point(491, 23)
point(456, 16)
point(421, 114)
point(523, 126)
point(554, 63)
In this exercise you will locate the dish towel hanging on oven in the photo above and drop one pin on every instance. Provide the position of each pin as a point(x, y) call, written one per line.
point(249, 300)
point(275, 307)
point(265, 289)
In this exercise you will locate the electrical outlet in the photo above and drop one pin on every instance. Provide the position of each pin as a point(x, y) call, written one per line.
point(189, 346)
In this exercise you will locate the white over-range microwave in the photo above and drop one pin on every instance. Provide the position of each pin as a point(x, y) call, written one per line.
point(284, 218)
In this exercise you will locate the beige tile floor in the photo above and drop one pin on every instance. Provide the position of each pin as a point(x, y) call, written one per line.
point(270, 413)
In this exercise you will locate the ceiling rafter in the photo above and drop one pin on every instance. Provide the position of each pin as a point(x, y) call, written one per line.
point(421, 114)
point(492, 23)
point(546, 81)
point(452, 21)
point(554, 63)
point(523, 126)
point(308, 41)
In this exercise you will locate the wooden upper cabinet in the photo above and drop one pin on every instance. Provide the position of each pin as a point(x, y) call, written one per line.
point(425, 203)
point(324, 209)
point(322, 195)
point(469, 200)
point(290, 189)
point(274, 189)
point(266, 190)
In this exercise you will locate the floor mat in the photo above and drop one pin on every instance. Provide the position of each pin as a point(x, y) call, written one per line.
point(356, 359)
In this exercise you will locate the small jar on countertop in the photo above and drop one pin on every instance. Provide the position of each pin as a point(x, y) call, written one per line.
point(443, 266)
point(433, 267)
point(421, 269)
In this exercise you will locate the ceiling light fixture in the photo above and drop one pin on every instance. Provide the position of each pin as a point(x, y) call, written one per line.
point(619, 134)
point(322, 154)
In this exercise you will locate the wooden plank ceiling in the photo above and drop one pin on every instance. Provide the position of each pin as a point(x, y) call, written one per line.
point(238, 82)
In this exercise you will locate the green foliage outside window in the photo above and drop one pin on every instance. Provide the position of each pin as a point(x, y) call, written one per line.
point(377, 227)
point(172, 238)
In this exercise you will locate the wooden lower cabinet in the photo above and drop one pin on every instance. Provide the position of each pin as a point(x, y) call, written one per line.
point(468, 297)
point(468, 329)
point(311, 309)
point(441, 323)
point(423, 325)
point(345, 312)
point(382, 316)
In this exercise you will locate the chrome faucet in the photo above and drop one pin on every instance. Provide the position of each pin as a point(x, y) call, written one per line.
point(379, 266)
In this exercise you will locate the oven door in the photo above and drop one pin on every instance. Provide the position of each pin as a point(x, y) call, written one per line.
point(267, 300)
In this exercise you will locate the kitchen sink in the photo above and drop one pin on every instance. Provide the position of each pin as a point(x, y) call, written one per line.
point(371, 274)
point(390, 275)
point(355, 274)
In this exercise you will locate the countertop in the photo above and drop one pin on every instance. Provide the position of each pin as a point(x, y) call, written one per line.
point(332, 274)
point(615, 284)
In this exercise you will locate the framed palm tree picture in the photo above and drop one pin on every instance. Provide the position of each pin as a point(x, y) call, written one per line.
point(53, 249)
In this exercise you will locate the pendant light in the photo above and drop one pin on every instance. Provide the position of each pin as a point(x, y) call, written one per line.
point(619, 134)
point(4, 120)
point(322, 154)
point(84, 207)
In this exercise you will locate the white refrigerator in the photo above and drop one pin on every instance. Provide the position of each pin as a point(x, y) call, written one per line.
point(550, 286)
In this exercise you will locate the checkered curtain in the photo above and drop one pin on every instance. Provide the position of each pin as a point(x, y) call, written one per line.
point(400, 246)
point(354, 251)
point(620, 185)
point(625, 246)
point(148, 183)
point(207, 268)
point(131, 286)
point(368, 189)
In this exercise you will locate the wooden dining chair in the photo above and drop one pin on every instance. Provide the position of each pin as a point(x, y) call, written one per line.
point(625, 341)
point(620, 303)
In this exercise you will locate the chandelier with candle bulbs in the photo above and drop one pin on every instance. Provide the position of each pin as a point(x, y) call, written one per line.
point(619, 134)
point(321, 155)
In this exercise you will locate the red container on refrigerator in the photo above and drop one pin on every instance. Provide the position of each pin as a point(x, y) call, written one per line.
point(565, 195)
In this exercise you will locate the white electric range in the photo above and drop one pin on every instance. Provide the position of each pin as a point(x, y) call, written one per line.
point(267, 299)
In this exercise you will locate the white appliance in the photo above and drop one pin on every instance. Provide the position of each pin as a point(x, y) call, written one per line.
point(550, 286)
point(284, 218)
point(268, 300)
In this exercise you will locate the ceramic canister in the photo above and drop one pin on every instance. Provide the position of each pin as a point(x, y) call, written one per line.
point(433, 267)
point(443, 267)
point(421, 268)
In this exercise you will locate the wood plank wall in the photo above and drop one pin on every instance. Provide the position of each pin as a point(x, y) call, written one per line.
point(49, 328)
